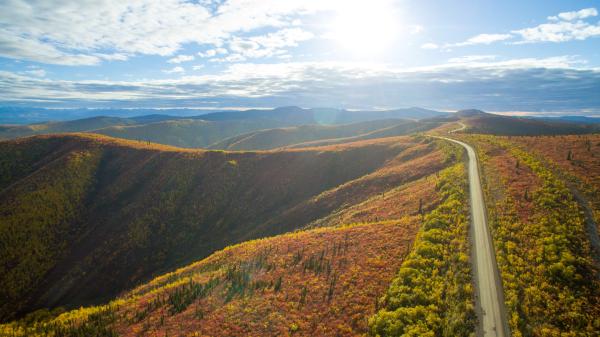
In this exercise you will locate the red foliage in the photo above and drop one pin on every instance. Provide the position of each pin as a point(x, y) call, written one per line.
point(330, 281)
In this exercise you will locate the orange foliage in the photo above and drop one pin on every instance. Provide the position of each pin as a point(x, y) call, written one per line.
point(504, 174)
point(389, 205)
point(585, 154)
point(157, 207)
point(329, 280)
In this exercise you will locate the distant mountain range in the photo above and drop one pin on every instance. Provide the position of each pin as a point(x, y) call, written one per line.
point(293, 126)
point(574, 119)
point(486, 123)
point(20, 116)
point(208, 129)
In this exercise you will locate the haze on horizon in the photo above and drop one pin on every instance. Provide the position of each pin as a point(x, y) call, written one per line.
point(534, 57)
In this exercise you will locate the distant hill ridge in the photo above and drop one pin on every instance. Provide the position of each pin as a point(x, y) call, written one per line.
point(271, 128)
point(207, 129)
point(486, 123)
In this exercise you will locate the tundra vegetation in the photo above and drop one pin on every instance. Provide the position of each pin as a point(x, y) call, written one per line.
point(550, 280)
point(378, 242)
point(432, 293)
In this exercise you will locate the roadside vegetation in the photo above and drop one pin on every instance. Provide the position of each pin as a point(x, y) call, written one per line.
point(576, 159)
point(432, 293)
point(551, 284)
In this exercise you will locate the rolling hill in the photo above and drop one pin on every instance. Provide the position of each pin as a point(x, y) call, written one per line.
point(326, 116)
point(311, 134)
point(190, 133)
point(92, 123)
point(87, 216)
point(323, 281)
point(204, 130)
point(404, 128)
point(486, 123)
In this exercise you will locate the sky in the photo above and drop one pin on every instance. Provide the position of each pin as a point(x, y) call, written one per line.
point(508, 56)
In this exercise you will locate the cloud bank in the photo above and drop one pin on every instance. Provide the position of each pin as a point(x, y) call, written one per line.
point(551, 84)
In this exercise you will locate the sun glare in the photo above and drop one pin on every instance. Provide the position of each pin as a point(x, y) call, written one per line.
point(365, 28)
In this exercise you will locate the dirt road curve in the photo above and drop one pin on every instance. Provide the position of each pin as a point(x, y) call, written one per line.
point(490, 299)
point(462, 127)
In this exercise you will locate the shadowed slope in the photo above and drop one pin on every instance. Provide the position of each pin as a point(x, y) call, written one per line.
point(86, 216)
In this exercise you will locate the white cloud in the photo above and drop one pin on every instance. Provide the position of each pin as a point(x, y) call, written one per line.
point(581, 14)
point(472, 58)
point(174, 70)
point(198, 67)
point(77, 32)
point(561, 31)
point(483, 39)
point(231, 58)
point(213, 52)
point(181, 58)
point(430, 46)
point(556, 62)
point(239, 45)
point(566, 26)
point(268, 45)
point(35, 72)
point(283, 38)
point(14, 46)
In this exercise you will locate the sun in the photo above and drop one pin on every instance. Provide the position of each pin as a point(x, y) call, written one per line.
point(365, 28)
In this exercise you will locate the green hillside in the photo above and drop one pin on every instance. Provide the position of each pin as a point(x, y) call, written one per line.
point(190, 133)
point(281, 137)
point(399, 129)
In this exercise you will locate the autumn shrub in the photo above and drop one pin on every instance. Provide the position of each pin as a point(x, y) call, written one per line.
point(432, 294)
point(550, 281)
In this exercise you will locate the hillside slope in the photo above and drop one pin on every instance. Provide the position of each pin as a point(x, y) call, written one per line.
point(85, 217)
point(400, 129)
point(322, 282)
point(176, 126)
point(281, 137)
point(327, 116)
point(190, 133)
point(480, 122)
point(15, 131)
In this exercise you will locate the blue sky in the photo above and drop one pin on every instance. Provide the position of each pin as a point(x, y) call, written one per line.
point(506, 56)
